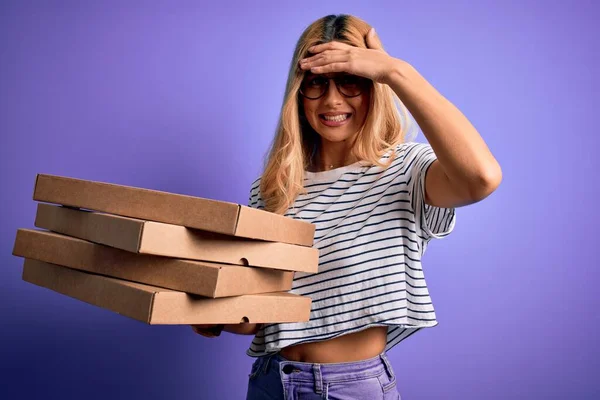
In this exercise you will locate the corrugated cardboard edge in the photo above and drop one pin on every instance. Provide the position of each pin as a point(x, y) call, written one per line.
point(202, 277)
point(120, 232)
point(180, 242)
point(254, 223)
point(131, 300)
point(255, 308)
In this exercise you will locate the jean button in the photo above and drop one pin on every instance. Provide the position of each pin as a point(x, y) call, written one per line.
point(287, 369)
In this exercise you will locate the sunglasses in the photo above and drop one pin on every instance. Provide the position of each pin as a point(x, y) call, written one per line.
point(315, 86)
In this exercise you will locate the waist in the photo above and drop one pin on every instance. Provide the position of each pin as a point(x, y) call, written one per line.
point(356, 346)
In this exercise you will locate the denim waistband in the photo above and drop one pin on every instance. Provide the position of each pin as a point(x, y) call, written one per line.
point(329, 372)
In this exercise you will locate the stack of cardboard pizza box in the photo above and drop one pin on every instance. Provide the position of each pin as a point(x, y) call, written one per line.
point(165, 258)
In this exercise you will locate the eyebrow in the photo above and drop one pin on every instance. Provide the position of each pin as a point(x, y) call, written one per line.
point(328, 75)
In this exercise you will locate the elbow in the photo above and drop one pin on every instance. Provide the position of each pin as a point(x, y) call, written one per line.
point(486, 183)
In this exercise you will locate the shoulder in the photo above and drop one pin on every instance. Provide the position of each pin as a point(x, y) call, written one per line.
point(412, 154)
point(412, 148)
point(406, 154)
point(255, 185)
point(254, 199)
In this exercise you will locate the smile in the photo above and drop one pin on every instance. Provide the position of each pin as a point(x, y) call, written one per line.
point(338, 118)
point(334, 120)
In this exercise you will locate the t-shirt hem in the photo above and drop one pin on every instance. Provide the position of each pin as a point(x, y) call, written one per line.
point(432, 324)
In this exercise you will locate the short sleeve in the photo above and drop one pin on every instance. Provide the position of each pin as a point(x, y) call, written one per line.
point(254, 199)
point(434, 222)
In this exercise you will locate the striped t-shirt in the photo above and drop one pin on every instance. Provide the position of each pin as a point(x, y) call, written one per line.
point(372, 227)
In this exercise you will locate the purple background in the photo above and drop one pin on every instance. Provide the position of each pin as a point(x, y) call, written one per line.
point(184, 97)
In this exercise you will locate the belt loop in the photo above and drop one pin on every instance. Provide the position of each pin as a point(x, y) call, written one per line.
point(318, 378)
point(386, 363)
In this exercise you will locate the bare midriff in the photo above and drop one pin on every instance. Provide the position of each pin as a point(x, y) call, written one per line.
point(355, 346)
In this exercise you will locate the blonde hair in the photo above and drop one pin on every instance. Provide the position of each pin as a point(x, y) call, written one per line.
point(295, 140)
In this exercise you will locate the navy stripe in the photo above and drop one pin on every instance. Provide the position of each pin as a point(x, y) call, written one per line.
point(362, 271)
point(338, 305)
point(395, 246)
point(326, 210)
point(351, 311)
point(320, 194)
point(345, 232)
point(390, 283)
point(322, 256)
point(366, 234)
point(330, 229)
point(368, 280)
point(299, 277)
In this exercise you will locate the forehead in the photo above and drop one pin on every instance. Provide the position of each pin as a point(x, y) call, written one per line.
point(328, 75)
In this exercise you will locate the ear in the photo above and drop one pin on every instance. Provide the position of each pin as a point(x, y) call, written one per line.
point(372, 40)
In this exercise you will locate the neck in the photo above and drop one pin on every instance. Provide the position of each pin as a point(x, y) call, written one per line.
point(332, 156)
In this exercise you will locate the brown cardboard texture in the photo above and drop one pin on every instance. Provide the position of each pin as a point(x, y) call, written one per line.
point(148, 237)
point(177, 209)
point(198, 277)
point(155, 306)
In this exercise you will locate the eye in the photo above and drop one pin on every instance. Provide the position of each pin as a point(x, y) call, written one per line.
point(316, 81)
point(349, 80)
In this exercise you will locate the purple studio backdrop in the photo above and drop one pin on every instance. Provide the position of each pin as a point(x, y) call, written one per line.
point(184, 97)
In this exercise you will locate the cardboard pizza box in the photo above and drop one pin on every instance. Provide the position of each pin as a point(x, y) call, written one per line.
point(177, 209)
point(154, 305)
point(148, 237)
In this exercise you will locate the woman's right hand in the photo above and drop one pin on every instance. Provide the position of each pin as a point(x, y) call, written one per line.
point(214, 330)
point(208, 330)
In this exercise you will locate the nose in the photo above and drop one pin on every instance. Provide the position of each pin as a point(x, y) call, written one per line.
point(332, 94)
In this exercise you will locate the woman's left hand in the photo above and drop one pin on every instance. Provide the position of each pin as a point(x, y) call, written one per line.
point(372, 63)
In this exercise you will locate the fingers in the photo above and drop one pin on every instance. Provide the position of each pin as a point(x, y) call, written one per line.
point(372, 40)
point(320, 61)
point(333, 67)
point(207, 330)
point(326, 46)
point(202, 326)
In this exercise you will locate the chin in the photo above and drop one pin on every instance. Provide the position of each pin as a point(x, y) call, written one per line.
point(333, 136)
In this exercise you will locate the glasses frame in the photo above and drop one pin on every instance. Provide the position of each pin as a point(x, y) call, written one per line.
point(363, 81)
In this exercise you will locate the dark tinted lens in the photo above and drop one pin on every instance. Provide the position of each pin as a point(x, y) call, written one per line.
point(314, 87)
point(350, 85)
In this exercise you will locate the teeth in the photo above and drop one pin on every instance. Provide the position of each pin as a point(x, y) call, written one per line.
point(337, 118)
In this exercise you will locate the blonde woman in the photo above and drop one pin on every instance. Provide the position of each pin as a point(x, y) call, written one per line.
point(342, 159)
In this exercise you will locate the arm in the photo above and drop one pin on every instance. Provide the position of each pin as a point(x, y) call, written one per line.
point(465, 171)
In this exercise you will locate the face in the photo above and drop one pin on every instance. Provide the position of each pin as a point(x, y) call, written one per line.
point(342, 109)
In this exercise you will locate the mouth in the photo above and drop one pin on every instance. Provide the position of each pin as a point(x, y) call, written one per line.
point(335, 119)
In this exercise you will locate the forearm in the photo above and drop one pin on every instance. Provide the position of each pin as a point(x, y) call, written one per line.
point(461, 151)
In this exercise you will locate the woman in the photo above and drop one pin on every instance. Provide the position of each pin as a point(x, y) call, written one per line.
point(341, 159)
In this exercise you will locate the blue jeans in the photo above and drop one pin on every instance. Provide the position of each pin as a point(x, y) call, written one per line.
point(273, 377)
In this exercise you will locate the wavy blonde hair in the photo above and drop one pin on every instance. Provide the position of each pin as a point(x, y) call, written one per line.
point(295, 141)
